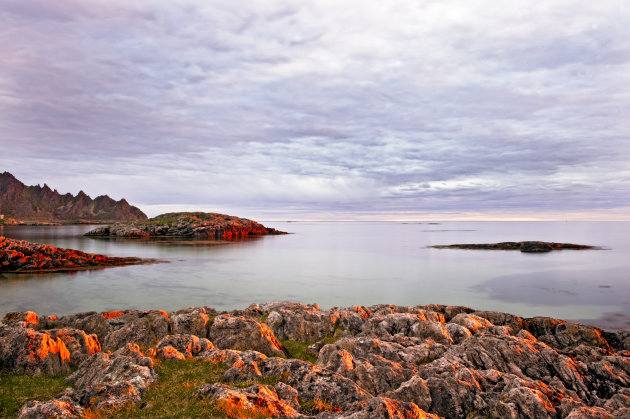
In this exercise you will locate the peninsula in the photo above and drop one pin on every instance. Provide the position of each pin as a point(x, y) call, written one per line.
point(199, 225)
point(20, 256)
point(21, 204)
point(285, 359)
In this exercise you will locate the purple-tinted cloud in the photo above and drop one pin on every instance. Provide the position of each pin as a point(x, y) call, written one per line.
point(317, 106)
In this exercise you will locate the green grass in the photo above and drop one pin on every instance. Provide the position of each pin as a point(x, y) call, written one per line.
point(298, 350)
point(17, 389)
point(174, 394)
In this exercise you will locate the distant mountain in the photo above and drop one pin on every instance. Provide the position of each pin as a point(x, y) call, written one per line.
point(42, 203)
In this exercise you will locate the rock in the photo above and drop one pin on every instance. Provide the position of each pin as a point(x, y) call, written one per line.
point(21, 318)
point(312, 382)
point(260, 400)
point(63, 407)
point(182, 346)
point(385, 408)
point(108, 381)
point(24, 350)
point(186, 224)
point(230, 332)
point(90, 322)
point(144, 328)
point(79, 344)
point(524, 246)
point(302, 325)
point(415, 390)
point(192, 321)
point(23, 256)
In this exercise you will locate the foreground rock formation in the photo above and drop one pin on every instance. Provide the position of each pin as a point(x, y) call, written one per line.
point(37, 203)
point(524, 246)
point(198, 225)
point(382, 361)
point(24, 256)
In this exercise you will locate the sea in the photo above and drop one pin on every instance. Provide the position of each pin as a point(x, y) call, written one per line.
point(344, 264)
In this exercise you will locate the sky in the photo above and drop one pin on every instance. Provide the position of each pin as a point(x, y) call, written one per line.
point(314, 110)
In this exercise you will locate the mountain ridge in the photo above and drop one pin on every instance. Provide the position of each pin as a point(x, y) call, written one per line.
point(41, 203)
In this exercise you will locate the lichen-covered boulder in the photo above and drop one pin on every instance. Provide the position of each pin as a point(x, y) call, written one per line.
point(237, 332)
point(106, 381)
point(259, 400)
point(24, 350)
point(79, 344)
point(182, 346)
point(144, 328)
point(63, 407)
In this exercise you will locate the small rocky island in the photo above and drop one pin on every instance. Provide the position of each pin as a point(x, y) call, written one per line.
point(524, 246)
point(199, 225)
point(285, 359)
point(20, 256)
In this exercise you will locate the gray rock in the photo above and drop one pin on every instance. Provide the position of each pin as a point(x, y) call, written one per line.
point(237, 332)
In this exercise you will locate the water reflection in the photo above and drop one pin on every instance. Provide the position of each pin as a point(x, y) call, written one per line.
point(342, 264)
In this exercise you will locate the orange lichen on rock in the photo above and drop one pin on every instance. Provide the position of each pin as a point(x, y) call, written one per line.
point(23, 256)
point(112, 314)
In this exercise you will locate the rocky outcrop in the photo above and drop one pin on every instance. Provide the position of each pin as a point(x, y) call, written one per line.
point(382, 361)
point(524, 246)
point(198, 225)
point(41, 203)
point(23, 256)
point(62, 407)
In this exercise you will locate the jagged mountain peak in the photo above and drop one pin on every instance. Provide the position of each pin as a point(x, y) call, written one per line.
point(42, 203)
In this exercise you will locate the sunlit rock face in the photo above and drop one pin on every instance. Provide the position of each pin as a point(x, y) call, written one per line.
point(197, 225)
point(24, 256)
point(43, 204)
point(382, 361)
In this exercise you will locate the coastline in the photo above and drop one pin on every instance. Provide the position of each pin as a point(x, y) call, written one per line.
point(425, 360)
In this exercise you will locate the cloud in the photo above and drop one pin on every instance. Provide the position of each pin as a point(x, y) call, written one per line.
point(320, 105)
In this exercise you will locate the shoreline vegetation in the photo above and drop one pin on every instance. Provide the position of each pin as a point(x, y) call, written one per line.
point(287, 359)
point(20, 256)
point(523, 246)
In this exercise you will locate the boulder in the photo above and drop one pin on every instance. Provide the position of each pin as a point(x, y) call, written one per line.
point(237, 332)
point(108, 381)
point(24, 350)
point(63, 407)
point(182, 346)
point(259, 400)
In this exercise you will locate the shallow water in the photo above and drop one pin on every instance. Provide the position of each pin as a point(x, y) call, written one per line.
point(342, 264)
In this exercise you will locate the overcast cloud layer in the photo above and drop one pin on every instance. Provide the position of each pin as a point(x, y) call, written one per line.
point(316, 109)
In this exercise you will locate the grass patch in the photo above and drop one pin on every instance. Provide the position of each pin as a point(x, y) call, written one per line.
point(298, 350)
point(174, 394)
point(17, 389)
point(313, 407)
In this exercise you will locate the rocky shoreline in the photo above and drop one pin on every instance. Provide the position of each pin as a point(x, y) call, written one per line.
point(382, 361)
point(523, 246)
point(197, 225)
point(20, 256)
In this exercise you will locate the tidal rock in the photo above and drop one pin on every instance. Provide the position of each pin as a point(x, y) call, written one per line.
point(24, 350)
point(261, 400)
point(236, 332)
point(23, 256)
point(63, 407)
point(524, 246)
point(106, 381)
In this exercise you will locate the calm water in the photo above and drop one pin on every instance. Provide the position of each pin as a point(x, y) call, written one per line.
point(344, 264)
